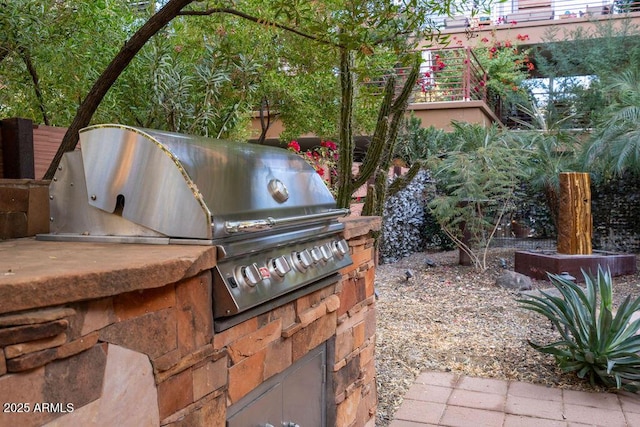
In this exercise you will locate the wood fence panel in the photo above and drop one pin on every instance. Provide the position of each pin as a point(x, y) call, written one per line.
point(46, 140)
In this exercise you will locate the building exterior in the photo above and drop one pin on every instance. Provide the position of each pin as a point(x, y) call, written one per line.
point(529, 22)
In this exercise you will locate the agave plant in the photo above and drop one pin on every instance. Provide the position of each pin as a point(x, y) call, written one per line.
point(596, 343)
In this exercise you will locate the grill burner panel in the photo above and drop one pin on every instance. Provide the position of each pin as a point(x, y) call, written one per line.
point(248, 280)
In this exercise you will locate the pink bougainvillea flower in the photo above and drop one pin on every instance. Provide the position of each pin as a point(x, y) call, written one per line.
point(329, 144)
point(293, 145)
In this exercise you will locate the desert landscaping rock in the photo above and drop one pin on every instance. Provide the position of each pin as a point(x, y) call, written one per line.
point(514, 281)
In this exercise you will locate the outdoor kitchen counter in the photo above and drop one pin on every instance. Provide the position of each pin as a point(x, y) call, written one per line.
point(124, 334)
point(40, 273)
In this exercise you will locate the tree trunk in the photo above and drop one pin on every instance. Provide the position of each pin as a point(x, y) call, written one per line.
point(110, 75)
point(265, 120)
point(36, 84)
point(575, 223)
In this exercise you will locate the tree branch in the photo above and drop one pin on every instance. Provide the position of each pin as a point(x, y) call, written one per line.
point(260, 21)
point(265, 121)
point(110, 75)
point(36, 83)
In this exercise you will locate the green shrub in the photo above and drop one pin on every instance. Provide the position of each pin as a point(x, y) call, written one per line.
point(595, 343)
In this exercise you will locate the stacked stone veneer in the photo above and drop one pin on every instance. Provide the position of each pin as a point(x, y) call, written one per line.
point(24, 207)
point(134, 346)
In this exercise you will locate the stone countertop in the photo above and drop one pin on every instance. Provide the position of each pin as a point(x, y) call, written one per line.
point(360, 225)
point(41, 273)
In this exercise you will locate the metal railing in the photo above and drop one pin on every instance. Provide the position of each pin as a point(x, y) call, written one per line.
point(451, 75)
point(445, 75)
point(515, 11)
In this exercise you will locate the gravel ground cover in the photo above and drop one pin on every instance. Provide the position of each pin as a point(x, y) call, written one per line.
point(455, 319)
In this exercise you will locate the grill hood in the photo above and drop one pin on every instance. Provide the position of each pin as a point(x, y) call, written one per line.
point(134, 182)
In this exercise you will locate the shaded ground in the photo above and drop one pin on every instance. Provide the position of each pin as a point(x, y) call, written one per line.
point(455, 319)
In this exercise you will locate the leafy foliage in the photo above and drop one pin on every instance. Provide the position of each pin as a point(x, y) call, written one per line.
point(346, 32)
point(209, 93)
point(59, 41)
point(570, 57)
point(507, 66)
point(477, 177)
point(416, 143)
point(615, 147)
point(596, 343)
point(552, 150)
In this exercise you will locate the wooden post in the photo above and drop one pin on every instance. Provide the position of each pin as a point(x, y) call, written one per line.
point(575, 224)
point(17, 148)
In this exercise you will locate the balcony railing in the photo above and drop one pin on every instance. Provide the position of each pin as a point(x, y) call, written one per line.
point(516, 11)
point(445, 75)
point(451, 75)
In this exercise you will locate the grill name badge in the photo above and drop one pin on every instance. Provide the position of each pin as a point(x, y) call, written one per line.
point(264, 272)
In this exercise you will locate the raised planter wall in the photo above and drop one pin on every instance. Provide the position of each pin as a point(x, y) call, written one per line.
point(108, 334)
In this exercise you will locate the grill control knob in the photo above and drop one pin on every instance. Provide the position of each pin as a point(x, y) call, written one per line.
point(302, 260)
point(326, 252)
point(280, 266)
point(340, 248)
point(251, 274)
point(316, 254)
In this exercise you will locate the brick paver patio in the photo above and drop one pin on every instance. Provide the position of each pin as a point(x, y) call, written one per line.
point(447, 399)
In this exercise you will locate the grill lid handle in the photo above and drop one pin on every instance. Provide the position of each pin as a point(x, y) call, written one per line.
point(270, 222)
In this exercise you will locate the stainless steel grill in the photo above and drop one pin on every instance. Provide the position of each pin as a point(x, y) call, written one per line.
point(268, 212)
